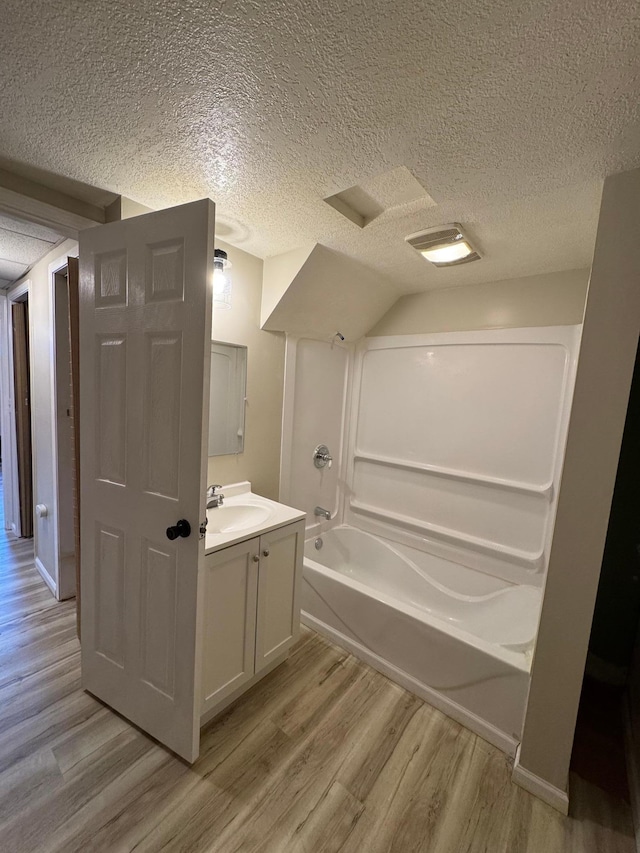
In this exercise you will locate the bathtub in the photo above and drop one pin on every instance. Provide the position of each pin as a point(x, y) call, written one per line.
point(460, 639)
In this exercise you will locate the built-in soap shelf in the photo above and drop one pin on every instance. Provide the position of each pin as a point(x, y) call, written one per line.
point(545, 490)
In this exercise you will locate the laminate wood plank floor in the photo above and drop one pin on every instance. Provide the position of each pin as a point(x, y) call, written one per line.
point(323, 755)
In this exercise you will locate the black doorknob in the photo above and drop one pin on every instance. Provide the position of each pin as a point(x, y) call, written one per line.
point(182, 529)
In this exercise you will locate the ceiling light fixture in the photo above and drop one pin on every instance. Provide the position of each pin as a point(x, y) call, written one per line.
point(221, 280)
point(444, 245)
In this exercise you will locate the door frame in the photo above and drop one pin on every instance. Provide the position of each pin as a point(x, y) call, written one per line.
point(6, 415)
point(65, 579)
point(18, 293)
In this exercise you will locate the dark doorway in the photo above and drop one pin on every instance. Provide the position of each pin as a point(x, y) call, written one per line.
point(22, 380)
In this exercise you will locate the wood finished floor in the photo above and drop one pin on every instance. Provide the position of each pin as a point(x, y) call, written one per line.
point(324, 755)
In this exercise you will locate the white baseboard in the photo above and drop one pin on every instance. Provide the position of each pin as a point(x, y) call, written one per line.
point(633, 768)
point(554, 797)
point(46, 577)
point(461, 715)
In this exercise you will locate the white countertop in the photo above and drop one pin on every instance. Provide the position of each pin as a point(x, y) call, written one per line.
point(238, 495)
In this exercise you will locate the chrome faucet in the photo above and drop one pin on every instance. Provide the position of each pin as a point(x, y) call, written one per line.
point(322, 512)
point(214, 498)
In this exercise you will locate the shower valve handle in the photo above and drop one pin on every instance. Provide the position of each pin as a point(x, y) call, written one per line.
point(321, 457)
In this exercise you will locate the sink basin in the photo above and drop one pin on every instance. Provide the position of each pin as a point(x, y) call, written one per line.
point(231, 517)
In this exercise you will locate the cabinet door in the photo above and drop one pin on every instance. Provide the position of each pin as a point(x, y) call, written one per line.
point(278, 627)
point(229, 620)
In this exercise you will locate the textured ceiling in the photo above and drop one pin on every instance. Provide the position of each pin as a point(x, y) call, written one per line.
point(509, 113)
point(21, 245)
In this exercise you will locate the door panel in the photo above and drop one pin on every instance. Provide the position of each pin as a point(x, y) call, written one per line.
point(111, 396)
point(110, 278)
point(231, 587)
point(145, 331)
point(278, 623)
point(158, 630)
point(162, 369)
point(109, 609)
point(165, 262)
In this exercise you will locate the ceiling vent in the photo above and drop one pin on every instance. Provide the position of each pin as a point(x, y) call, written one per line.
point(444, 245)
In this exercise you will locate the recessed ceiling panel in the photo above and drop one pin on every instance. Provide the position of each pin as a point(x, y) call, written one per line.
point(365, 201)
point(22, 249)
point(31, 229)
point(11, 270)
point(22, 244)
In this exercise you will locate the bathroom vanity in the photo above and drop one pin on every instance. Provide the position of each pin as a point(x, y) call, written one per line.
point(252, 576)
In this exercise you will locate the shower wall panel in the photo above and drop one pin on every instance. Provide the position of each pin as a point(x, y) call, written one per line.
point(457, 442)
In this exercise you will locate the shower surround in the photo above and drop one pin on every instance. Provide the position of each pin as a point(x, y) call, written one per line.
point(448, 451)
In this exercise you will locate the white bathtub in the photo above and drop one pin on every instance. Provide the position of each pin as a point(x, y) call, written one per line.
point(459, 638)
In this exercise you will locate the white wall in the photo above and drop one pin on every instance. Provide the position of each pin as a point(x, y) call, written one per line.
point(66, 535)
point(556, 299)
point(315, 399)
point(42, 377)
point(278, 273)
point(260, 461)
point(603, 381)
point(330, 292)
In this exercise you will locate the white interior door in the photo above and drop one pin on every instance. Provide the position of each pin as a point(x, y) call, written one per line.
point(145, 332)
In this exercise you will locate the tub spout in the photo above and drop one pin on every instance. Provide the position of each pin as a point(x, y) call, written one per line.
point(322, 512)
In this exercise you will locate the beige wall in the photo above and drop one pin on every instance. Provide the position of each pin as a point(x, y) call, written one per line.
point(555, 299)
point(329, 293)
point(260, 462)
point(278, 273)
point(605, 368)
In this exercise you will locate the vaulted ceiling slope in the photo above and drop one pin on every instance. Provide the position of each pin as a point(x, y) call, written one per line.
point(508, 113)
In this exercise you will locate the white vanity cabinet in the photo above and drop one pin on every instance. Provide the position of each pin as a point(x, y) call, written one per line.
point(251, 612)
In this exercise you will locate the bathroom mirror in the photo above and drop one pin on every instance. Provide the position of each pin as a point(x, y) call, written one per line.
point(227, 401)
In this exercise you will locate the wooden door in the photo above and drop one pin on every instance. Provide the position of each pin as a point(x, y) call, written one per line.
point(229, 620)
point(145, 332)
point(278, 623)
point(22, 384)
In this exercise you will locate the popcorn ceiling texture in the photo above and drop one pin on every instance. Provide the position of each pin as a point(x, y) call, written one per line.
point(509, 113)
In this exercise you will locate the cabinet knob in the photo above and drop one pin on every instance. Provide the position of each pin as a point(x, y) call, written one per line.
point(256, 558)
point(265, 553)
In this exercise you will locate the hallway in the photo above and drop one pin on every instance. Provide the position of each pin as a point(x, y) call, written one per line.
point(324, 754)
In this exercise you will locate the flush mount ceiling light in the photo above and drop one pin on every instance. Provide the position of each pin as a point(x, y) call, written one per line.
point(444, 245)
point(221, 280)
